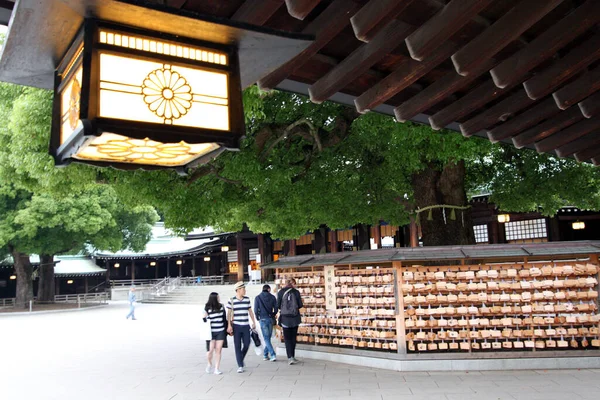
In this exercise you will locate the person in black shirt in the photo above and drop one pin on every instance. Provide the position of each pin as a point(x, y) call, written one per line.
point(289, 304)
point(215, 313)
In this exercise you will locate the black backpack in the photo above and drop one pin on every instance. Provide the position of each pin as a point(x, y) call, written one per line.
point(289, 304)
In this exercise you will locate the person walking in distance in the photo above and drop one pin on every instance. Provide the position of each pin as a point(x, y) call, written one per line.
point(239, 313)
point(131, 298)
point(265, 309)
point(289, 304)
point(215, 313)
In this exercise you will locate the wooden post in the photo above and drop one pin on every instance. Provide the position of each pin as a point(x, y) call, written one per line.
point(168, 268)
point(85, 284)
point(241, 256)
point(289, 247)
point(180, 267)
point(156, 267)
point(107, 265)
point(493, 236)
point(132, 270)
point(194, 266)
point(377, 235)
point(400, 326)
point(414, 234)
point(334, 241)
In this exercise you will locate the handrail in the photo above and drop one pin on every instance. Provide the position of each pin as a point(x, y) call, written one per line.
point(135, 282)
point(80, 298)
point(8, 302)
point(96, 287)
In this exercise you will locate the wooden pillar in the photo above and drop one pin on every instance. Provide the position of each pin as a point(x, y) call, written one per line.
point(156, 267)
point(57, 286)
point(180, 267)
point(241, 256)
point(194, 266)
point(553, 229)
point(334, 241)
point(399, 237)
point(168, 267)
point(320, 242)
point(377, 235)
point(289, 248)
point(493, 234)
point(362, 237)
point(107, 265)
point(132, 270)
point(400, 324)
point(85, 284)
point(414, 233)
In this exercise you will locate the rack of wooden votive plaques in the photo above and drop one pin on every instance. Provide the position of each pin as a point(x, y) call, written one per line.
point(365, 313)
point(501, 307)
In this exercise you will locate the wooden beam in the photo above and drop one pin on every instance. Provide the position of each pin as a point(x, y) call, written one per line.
point(502, 32)
point(374, 15)
point(476, 98)
point(449, 20)
point(407, 72)
point(256, 12)
point(527, 119)
point(359, 61)
point(558, 73)
point(590, 106)
point(498, 113)
point(565, 136)
point(437, 91)
point(578, 90)
point(325, 27)
point(589, 152)
point(547, 44)
point(548, 127)
point(301, 8)
point(580, 145)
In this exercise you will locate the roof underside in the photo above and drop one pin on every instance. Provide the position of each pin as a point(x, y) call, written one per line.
point(520, 71)
point(525, 72)
point(546, 251)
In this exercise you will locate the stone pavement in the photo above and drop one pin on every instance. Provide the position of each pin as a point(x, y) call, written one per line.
point(97, 354)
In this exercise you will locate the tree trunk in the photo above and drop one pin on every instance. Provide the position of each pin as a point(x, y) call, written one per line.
point(24, 282)
point(46, 288)
point(362, 239)
point(435, 186)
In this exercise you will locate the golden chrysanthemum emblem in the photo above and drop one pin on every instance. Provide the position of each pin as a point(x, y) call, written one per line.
point(74, 101)
point(167, 94)
point(143, 149)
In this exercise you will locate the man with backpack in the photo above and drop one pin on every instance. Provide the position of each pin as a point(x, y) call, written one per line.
point(289, 304)
point(265, 309)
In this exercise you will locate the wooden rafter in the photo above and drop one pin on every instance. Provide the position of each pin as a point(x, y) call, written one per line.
point(590, 106)
point(449, 20)
point(476, 98)
point(580, 145)
point(325, 27)
point(498, 113)
point(578, 90)
point(257, 12)
point(407, 72)
point(437, 91)
point(527, 119)
point(301, 8)
point(565, 136)
point(547, 44)
point(565, 68)
point(360, 60)
point(548, 127)
point(592, 151)
point(374, 15)
point(505, 30)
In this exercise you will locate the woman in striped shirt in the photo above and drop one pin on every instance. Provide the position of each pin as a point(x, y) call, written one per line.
point(215, 312)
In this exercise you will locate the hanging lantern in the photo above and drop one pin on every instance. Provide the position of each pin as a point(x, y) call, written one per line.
point(578, 225)
point(13, 277)
point(224, 248)
point(153, 263)
point(207, 259)
point(70, 282)
point(502, 218)
point(130, 98)
point(179, 262)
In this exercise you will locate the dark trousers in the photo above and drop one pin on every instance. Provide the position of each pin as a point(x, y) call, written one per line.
point(241, 342)
point(289, 336)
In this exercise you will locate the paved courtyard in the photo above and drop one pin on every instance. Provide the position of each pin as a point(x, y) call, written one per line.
point(97, 354)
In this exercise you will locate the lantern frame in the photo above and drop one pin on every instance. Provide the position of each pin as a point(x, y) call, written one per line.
point(84, 53)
